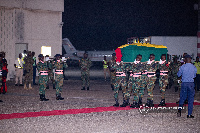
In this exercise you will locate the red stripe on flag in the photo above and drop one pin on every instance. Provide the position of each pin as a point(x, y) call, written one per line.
point(75, 111)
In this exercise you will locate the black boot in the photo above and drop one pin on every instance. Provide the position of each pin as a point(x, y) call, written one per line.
point(112, 87)
point(44, 99)
point(54, 86)
point(87, 88)
point(134, 105)
point(162, 103)
point(149, 103)
point(41, 97)
point(140, 101)
point(58, 97)
point(83, 88)
point(125, 103)
point(47, 87)
point(117, 103)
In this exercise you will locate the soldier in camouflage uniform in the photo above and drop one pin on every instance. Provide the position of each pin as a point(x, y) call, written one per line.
point(42, 68)
point(174, 68)
point(111, 63)
point(1, 67)
point(58, 65)
point(28, 70)
point(151, 67)
point(120, 80)
point(163, 79)
point(85, 65)
point(135, 81)
point(50, 73)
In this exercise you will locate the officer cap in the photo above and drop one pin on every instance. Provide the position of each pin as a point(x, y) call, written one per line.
point(40, 55)
point(113, 54)
point(152, 55)
point(57, 55)
point(187, 56)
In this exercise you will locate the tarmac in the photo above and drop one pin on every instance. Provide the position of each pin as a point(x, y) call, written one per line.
point(121, 120)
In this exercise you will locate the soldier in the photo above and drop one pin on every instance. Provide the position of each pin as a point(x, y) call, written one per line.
point(50, 72)
point(85, 65)
point(28, 70)
point(1, 67)
point(151, 67)
point(174, 68)
point(4, 74)
point(135, 81)
point(58, 65)
point(163, 79)
point(197, 79)
point(105, 67)
point(120, 80)
point(34, 68)
point(42, 68)
point(111, 63)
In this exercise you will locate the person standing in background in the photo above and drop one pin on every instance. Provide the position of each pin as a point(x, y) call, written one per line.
point(105, 67)
point(197, 79)
point(19, 70)
point(188, 72)
point(34, 68)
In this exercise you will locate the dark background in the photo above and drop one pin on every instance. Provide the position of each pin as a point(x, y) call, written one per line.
point(106, 24)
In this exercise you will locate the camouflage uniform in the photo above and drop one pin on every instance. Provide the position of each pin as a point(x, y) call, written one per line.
point(85, 65)
point(50, 74)
point(174, 68)
point(1, 67)
point(163, 79)
point(112, 73)
point(134, 84)
point(151, 74)
point(28, 70)
point(120, 80)
point(141, 67)
point(43, 78)
point(58, 65)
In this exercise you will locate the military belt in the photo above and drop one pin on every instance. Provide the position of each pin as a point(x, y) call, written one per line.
point(120, 74)
point(43, 72)
point(150, 73)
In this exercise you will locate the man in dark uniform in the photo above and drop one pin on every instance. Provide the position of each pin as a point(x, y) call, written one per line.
point(85, 65)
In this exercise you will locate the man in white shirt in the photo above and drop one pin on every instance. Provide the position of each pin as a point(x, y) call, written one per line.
point(19, 70)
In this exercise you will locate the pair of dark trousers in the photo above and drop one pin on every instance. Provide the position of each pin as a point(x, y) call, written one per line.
point(197, 82)
point(34, 73)
point(187, 91)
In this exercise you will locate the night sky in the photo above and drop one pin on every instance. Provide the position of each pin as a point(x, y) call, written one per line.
point(106, 24)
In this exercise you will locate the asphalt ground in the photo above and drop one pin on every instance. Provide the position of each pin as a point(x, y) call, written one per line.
point(18, 100)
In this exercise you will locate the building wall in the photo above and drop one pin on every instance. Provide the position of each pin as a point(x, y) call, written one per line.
point(32, 22)
point(177, 45)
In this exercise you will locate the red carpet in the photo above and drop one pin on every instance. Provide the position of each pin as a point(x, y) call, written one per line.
point(73, 111)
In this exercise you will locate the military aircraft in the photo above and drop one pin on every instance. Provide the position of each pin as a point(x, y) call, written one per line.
point(94, 56)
